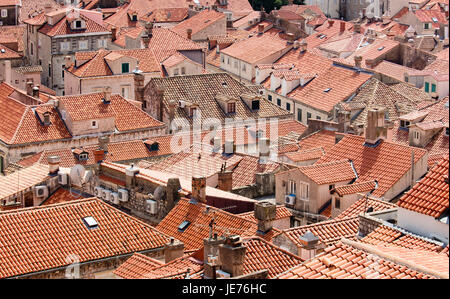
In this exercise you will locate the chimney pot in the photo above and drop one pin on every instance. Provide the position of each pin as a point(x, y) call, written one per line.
point(53, 164)
point(358, 60)
point(189, 33)
point(29, 88)
point(260, 29)
point(342, 28)
point(375, 128)
point(199, 189)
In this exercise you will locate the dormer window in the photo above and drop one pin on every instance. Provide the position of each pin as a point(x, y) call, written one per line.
point(404, 124)
point(94, 124)
point(81, 155)
point(231, 107)
point(134, 18)
point(446, 131)
point(255, 105)
point(125, 68)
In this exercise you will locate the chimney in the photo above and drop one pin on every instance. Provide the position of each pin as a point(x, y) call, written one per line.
point(114, 33)
point(149, 29)
point(265, 213)
point(67, 61)
point(229, 147)
point(36, 91)
point(358, 60)
point(342, 26)
point(46, 118)
point(130, 174)
point(296, 45)
point(99, 155)
point(217, 144)
point(211, 255)
point(357, 28)
point(47, 8)
point(225, 180)
point(330, 22)
point(199, 189)
point(173, 250)
point(30, 88)
point(172, 107)
point(375, 127)
point(160, 104)
point(309, 246)
point(290, 38)
point(264, 150)
point(53, 164)
point(139, 87)
point(303, 46)
point(232, 256)
point(103, 143)
point(260, 29)
point(172, 195)
point(107, 95)
point(370, 63)
point(189, 33)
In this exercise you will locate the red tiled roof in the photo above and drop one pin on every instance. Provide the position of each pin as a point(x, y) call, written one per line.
point(328, 232)
point(360, 187)
point(63, 27)
point(28, 240)
point(363, 204)
point(163, 15)
point(347, 261)
point(90, 106)
point(137, 266)
point(61, 196)
point(387, 236)
point(200, 215)
point(323, 138)
point(427, 15)
point(331, 172)
point(198, 22)
point(23, 179)
point(431, 195)
point(306, 155)
point(9, 2)
point(371, 162)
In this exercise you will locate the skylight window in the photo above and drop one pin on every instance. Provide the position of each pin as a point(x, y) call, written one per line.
point(434, 20)
point(90, 222)
point(183, 226)
point(380, 48)
point(327, 90)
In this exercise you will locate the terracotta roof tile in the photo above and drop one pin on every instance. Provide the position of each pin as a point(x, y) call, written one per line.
point(362, 206)
point(22, 180)
point(346, 261)
point(305, 155)
point(281, 213)
point(431, 195)
point(360, 187)
point(116, 234)
point(200, 215)
point(61, 196)
point(137, 266)
point(328, 232)
point(371, 162)
point(331, 172)
point(198, 22)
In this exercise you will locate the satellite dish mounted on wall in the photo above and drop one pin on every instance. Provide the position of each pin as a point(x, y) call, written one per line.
point(76, 175)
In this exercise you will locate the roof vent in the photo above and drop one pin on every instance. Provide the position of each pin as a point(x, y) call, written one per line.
point(90, 222)
point(327, 90)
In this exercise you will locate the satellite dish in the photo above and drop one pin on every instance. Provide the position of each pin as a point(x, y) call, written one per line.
point(87, 176)
point(159, 193)
point(77, 174)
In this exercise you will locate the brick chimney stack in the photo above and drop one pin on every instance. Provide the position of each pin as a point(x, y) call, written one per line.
point(172, 195)
point(29, 88)
point(358, 61)
point(36, 91)
point(225, 180)
point(265, 213)
point(189, 33)
point(99, 155)
point(310, 246)
point(199, 189)
point(172, 107)
point(330, 22)
point(342, 26)
point(232, 255)
point(113, 33)
point(173, 250)
point(375, 127)
point(357, 28)
point(139, 87)
point(260, 29)
point(211, 261)
point(303, 46)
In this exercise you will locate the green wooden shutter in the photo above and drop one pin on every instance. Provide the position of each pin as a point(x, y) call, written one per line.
point(427, 87)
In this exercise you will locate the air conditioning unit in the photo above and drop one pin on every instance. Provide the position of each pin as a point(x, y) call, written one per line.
point(98, 192)
point(151, 206)
point(289, 199)
point(115, 198)
point(222, 274)
point(123, 195)
point(182, 104)
point(41, 191)
point(63, 178)
point(106, 195)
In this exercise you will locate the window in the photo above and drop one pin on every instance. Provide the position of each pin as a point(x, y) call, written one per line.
point(269, 97)
point(183, 226)
point(4, 13)
point(279, 102)
point(416, 135)
point(244, 69)
point(304, 190)
point(222, 59)
point(94, 124)
point(235, 64)
point(299, 114)
point(433, 87)
point(427, 87)
point(446, 131)
point(288, 106)
point(228, 61)
point(231, 107)
point(404, 123)
point(125, 91)
point(192, 111)
point(31, 48)
point(337, 203)
point(102, 43)
point(83, 44)
point(90, 222)
point(308, 116)
point(291, 187)
point(255, 105)
point(175, 72)
point(125, 68)
point(83, 157)
point(183, 70)
point(62, 71)
point(65, 46)
point(318, 117)
point(426, 26)
point(330, 187)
